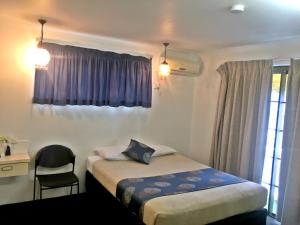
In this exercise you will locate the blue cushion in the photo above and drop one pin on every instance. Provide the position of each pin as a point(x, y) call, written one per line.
point(139, 152)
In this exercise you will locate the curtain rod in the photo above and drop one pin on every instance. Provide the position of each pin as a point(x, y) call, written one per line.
point(283, 61)
point(148, 56)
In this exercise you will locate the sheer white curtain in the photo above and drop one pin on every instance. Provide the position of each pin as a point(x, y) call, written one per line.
point(241, 124)
point(289, 190)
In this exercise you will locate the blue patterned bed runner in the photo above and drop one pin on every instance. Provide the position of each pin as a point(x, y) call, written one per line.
point(135, 192)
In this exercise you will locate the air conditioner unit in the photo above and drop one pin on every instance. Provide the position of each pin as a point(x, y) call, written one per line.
point(185, 64)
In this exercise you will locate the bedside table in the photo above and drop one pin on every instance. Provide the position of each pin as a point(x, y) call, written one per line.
point(14, 165)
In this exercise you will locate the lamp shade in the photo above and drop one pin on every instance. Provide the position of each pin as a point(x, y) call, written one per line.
point(41, 57)
point(164, 69)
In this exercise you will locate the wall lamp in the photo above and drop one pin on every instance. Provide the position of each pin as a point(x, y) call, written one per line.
point(41, 55)
point(164, 68)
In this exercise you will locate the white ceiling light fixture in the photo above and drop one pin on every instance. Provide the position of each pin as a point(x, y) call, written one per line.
point(238, 8)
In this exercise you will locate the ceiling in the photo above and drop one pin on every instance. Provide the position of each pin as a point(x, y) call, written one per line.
point(187, 24)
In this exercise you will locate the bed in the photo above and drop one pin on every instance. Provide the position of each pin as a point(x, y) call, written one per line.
point(240, 203)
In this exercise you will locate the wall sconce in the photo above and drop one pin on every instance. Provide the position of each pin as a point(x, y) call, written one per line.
point(41, 55)
point(164, 68)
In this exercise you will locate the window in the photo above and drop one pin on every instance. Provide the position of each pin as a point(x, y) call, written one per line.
point(81, 76)
point(274, 139)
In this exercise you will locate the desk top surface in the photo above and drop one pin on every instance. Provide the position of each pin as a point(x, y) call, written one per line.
point(15, 158)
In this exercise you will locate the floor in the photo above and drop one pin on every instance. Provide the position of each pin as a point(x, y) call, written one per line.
point(271, 221)
point(67, 210)
point(75, 209)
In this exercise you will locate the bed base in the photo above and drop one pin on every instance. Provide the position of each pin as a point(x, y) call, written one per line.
point(97, 192)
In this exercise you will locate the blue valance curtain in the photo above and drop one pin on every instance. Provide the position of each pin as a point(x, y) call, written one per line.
point(80, 76)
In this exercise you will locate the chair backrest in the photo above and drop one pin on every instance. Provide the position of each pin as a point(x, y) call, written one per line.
point(53, 156)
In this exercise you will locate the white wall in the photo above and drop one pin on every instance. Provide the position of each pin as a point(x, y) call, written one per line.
point(207, 87)
point(82, 128)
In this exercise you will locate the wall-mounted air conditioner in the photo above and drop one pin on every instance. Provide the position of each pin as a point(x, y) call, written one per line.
point(185, 64)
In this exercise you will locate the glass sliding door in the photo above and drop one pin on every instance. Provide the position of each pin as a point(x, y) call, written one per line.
point(274, 140)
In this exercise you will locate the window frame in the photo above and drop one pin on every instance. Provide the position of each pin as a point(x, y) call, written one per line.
point(283, 70)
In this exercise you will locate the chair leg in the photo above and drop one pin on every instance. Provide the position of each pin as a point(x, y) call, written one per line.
point(71, 189)
point(34, 189)
point(41, 190)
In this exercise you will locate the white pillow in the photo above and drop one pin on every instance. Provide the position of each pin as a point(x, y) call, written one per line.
point(114, 152)
point(162, 150)
point(159, 149)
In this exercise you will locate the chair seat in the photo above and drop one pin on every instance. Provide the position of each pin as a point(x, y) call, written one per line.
point(57, 180)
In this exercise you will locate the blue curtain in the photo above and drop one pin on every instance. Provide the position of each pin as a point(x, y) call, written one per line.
point(80, 76)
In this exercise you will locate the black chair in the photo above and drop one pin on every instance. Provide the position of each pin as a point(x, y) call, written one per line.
point(54, 156)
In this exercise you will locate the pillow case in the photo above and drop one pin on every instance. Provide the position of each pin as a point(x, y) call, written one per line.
point(139, 152)
point(162, 150)
point(113, 152)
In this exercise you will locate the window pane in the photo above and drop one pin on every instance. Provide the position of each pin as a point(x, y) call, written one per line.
point(270, 143)
point(275, 87)
point(267, 172)
point(277, 172)
point(283, 95)
point(273, 115)
point(279, 152)
point(275, 201)
point(275, 96)
point(281, 116)
point(279, 144)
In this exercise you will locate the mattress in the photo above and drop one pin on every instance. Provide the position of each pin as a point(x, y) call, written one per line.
point(193, 208)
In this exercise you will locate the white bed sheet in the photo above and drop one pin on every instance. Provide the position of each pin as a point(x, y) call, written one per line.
point(90, 161)
point(193, 208)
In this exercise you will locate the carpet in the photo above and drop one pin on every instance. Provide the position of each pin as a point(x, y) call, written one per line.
point(72, 209)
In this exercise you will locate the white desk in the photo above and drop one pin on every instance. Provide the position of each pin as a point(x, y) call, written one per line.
point(14, 165)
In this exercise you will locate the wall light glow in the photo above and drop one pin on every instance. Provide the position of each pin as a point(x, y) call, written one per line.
point(41, 57)
point(37, 57)
point(30, 56)
point(164, 69)
point(24, 56)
